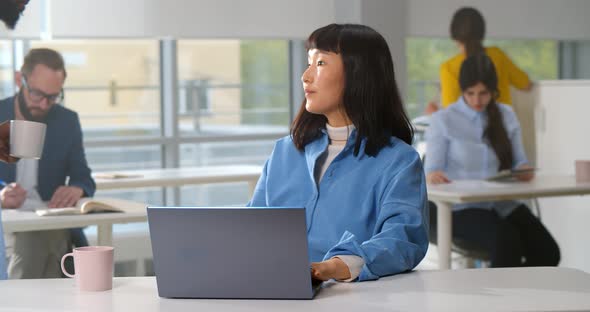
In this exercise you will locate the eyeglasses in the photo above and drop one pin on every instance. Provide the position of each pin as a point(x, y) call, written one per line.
point(38, 95)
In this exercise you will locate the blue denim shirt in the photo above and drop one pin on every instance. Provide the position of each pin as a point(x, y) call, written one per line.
point(371, 207)
point(456, 146)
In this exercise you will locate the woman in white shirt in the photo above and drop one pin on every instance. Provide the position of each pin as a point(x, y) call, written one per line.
point(475, 139)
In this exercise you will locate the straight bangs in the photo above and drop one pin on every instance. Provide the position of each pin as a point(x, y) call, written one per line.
point(325, 39)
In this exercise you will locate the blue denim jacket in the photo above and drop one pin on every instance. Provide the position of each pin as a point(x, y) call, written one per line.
point(371, 207)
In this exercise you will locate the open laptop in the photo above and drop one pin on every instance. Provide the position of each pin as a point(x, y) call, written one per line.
point(237, 253)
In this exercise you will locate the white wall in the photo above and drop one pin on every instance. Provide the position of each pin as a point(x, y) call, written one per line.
point(104, 18)
point(178, 18)
point(546, 19)
point(190, 18)
point(535, 19)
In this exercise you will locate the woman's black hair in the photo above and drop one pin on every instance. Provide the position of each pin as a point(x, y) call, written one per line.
point(479, 68)
point(469, 28)
point(370, 99)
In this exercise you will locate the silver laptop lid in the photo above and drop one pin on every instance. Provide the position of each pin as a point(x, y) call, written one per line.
point(230, 252)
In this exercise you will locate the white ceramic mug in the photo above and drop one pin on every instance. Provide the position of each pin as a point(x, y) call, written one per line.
point(26, 139)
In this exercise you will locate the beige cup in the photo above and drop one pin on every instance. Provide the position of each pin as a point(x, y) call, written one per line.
point(26, 139)
point(94, 267)
point(582, 171)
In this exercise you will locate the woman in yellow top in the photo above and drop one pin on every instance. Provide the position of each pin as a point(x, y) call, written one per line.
point(468, 30)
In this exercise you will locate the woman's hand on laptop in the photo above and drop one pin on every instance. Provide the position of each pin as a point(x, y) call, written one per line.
point(332, 268)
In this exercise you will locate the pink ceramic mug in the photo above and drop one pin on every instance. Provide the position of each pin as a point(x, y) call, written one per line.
point(94, 267)
point(582, 171)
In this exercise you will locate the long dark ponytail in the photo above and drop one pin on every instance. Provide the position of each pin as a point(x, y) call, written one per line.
point(469, 28)
point(479, 68)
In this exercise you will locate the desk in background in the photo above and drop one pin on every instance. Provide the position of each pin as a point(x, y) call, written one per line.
point(445, 195)
point(23, 221)
point(511, 289)
point(166, 177)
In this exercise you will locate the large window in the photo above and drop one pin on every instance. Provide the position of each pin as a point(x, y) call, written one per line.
point(232, 87)
point(115, 93)
point(236, 92)
point(539, 58)
point(574, 59)
point(6, 70)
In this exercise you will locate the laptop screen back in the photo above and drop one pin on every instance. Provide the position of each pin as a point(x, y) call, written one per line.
point(230, 252)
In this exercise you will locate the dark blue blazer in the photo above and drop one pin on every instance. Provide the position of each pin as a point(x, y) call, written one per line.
point(63, 152)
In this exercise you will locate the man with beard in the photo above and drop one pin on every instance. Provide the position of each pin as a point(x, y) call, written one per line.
point(32, 182)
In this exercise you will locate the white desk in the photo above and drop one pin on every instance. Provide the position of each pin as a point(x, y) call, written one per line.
point(23, 221)
point(181, 176)
point(445, 195)
point(530, 289)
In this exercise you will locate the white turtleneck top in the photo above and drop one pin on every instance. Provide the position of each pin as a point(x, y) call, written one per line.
point(338, 137)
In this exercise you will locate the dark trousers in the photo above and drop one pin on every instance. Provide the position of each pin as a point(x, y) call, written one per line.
point(517, 240)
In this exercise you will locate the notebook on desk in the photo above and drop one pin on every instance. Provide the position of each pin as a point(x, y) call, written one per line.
point(510, 174)
point(237, 253)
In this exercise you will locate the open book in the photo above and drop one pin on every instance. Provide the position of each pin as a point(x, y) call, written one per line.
point(90, 204)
